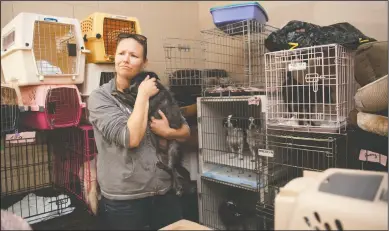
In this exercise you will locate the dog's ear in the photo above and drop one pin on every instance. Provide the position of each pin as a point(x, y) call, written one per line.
point(152, 75)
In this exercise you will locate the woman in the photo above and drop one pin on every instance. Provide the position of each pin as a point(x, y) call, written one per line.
point(135, 193)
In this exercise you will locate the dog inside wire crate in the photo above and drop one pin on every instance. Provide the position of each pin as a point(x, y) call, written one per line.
point(310, 89)
point(231, 134)
point(294, 152)
point(223, 207)
point(27, 188)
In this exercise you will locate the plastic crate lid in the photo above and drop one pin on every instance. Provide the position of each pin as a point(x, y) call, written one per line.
point(241, 4)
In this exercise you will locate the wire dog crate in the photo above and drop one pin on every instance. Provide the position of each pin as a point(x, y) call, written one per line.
point(226, 60)
point(26, 180)
point(238, 48)
point(184, 69)
point(11, 106)
point(231, 137)
point(227, 208)
point(96, 75)
point(184, 61)
point(51, 106)
point(290, 153)
point(75, 155)
point(100, 32)
point(310, 89)
point(42, 49)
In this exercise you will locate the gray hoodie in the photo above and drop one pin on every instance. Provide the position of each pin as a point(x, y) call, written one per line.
point(123, 173)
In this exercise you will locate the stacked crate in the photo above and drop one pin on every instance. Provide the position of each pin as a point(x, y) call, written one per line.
point(53, 54)
point(100, 31)
point(43, 60)
point(310, 94)
point(224, 72)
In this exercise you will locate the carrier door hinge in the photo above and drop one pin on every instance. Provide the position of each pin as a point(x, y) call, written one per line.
point(198, 119)
point(200, 194)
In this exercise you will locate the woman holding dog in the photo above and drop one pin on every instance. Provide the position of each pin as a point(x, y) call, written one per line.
point(135, 193)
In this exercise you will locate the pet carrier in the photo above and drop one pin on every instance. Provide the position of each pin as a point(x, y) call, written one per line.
point(323, 201)
point(11, 106)
point(231, 138)
point(227, 208)
point(75, 155)
point(51, 106)
point(42, 49)
point(310, 89)
point(100, 31)
point(26, 180)
point(95, 76)
point(290, 153)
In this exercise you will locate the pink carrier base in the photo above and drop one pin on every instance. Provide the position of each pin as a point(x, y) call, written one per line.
point(51, 106)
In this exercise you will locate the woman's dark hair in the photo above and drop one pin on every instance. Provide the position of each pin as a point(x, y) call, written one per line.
point(141, 39)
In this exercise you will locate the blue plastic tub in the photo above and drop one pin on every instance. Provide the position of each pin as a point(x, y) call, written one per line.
point(228, 14)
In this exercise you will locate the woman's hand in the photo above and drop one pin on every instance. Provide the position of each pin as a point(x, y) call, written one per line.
point(160, 127)
point(148, 87)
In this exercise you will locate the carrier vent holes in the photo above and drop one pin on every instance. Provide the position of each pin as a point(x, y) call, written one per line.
point(317, 224)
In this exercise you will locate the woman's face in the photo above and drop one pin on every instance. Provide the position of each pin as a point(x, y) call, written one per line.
point(129, 59)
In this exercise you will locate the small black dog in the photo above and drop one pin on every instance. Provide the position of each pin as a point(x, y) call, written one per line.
point(165, 102)
point(303, 97)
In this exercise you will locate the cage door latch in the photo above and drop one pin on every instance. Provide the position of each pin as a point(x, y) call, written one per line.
point(314, 79)
point(85, 51)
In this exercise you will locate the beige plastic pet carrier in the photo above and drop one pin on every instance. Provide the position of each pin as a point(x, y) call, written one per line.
point(100, 31)
point(42, 49)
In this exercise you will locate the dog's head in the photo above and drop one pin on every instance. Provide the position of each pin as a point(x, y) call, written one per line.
point(142, 75)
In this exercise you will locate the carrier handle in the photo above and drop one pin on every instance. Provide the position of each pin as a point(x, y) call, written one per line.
point(50, 19)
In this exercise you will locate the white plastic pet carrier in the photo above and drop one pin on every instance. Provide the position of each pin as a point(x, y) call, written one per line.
point(41, 49)
point(96, 75)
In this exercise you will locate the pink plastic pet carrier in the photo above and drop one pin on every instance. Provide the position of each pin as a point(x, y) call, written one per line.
point(51, 106)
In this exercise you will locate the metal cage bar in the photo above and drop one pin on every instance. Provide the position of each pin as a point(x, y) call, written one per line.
point(75, 155)
point(226, 59)
point(105, 77)
point(228, 208)
point(310, 89)
point(10, 110)
point(238, 48)
point(294, 152)
point(26, 169)
point(55, 48)
point(231, 131)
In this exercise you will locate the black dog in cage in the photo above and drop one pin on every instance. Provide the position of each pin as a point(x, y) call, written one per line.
point(165, 102)
point(301, 99)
